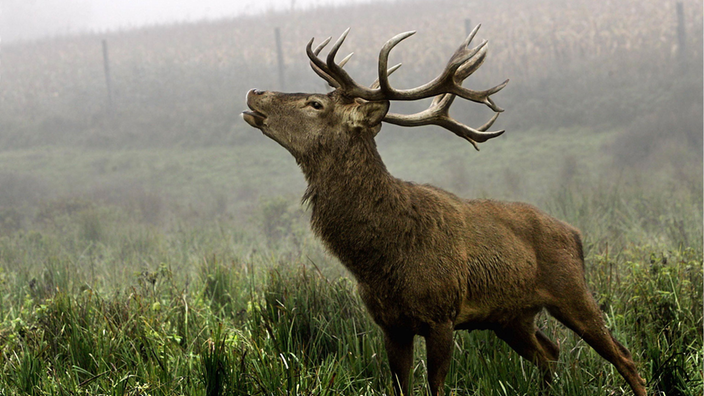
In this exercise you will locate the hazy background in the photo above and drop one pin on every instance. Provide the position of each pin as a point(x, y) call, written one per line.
point(32, 19)
point(604, 98)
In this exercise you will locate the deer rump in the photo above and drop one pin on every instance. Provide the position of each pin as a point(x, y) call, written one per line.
point(426, 261)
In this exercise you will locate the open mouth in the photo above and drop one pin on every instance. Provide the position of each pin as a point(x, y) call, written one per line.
point(254, 118)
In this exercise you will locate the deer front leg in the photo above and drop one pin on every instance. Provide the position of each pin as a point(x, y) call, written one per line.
point(399, 350)
point(438, 345)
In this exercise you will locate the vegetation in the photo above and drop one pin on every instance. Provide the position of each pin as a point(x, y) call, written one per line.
point(158, 247)
point(93, 303)
point(182, 85)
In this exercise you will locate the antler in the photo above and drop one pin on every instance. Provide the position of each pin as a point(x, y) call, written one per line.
point(335, 75)
point(444, 87)
point(438, 114)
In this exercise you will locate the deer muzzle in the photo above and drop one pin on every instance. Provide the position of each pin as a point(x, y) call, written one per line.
point(254, 117)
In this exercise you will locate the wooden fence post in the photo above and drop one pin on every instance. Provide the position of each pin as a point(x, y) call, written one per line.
point(280, 58)
point(108, 83)
point(681, 34)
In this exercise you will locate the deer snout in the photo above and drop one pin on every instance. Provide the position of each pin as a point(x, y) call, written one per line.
point(255, 98)
point(255, 92)
point(255, 117)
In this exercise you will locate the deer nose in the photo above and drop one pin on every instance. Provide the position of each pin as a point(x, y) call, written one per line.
point(254, 93)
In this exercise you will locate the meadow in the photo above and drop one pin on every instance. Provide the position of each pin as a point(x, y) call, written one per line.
point(96, 300)
point(158, 246)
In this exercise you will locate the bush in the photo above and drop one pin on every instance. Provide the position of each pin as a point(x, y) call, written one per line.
point(282, 221)
point(672, 132)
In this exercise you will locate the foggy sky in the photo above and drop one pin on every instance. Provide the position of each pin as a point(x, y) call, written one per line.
point(31, 19)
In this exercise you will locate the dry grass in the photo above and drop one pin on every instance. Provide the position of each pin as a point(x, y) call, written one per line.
point(185, 81)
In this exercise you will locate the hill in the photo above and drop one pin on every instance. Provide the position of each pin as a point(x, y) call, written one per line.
point(570, 63)
point(595, 87)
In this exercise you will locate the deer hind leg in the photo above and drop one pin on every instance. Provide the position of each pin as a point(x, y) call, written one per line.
point(583, 316)
point(438, 343)
point(532, 344)
point(399, 351)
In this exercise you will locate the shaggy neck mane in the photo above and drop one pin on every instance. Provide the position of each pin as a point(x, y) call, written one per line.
point(350, 192)
point(345, 173)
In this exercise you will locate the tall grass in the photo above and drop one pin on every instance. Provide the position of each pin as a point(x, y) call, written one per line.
point(309, 335)
point(617, 215)
point(199, 310)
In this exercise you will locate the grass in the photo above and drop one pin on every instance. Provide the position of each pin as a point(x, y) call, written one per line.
point(243, 175)
point(100, 296)
point(262, 326)
point(95, 300)
point(182, 172)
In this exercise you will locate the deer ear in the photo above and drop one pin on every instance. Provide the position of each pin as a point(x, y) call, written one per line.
point(369, 114)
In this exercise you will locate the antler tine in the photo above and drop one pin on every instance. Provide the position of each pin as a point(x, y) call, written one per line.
point(320, 46)
point(384, 60)
point(347, 84)
point(467, 59)
point(473, 63)
point(468, 133)
point(318, 65)
point(335, 47)
point(389, 72)
point(476, 60)
point(446, 82)
point(346, 59)
point(489, 123)
point(482, 96)
point(313, 55)
point(331, 81)
point(438, 114)
point(469, 67)
point(470, 36)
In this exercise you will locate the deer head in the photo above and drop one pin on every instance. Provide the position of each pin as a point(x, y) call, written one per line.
point(307, 123)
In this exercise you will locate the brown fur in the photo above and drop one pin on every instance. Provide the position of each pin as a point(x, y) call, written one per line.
point(426, 261)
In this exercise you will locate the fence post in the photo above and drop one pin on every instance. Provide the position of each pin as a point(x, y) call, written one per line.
point(280, 58)
point(467, 26)
point(681, 34)
point(106, 65)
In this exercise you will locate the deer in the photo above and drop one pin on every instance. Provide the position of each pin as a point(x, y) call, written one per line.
point(426, 261)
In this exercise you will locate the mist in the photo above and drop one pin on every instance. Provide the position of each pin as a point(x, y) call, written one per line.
point(34, 19)
point(137, 105)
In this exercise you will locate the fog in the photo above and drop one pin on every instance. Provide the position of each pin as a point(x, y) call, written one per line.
point(32, 19)
point(141, 115)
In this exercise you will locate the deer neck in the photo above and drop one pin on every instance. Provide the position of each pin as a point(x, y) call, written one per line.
point(348, 191)
point(346, 177)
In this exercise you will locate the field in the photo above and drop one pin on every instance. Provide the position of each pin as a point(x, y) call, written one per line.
point(157, 246)
point(96, 300)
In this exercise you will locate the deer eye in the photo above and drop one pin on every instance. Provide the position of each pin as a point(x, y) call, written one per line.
point(315, 104)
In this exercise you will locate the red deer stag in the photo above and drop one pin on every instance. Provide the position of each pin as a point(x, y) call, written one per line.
point(427, 262)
